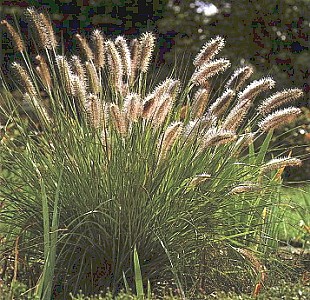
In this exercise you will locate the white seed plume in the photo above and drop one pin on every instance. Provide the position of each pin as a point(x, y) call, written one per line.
point(99, 53)
point(222, 103)
point(24, 79)
point(236, 115)
point(279, 118)
point(133, 107)
point(216, 137)
point(200, 102)
point(199, 179)
point(239, 77)
point(279, 163)
point(147, 44)
point(256, 87)
point(171, 134)
point(278, 99)
point(245, 187)
point(209, 69)
point(124, 52)
point(209, 50)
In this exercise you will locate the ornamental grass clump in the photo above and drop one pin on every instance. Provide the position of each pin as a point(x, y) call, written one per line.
point(105, 162)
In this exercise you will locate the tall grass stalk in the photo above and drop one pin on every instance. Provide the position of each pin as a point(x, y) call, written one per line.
point(104, 163)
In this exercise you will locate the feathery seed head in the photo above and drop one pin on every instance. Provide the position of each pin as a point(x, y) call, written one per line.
point(245, 187)
point(209, 50)
point(78, 68)
point(171, 134)
point(199, 179)
point(147, 44)
point(43, 71)
point(135, 49)
point(42, 27)
point(149, 106)
point(49, 31)
point(94, 110)
point(133, 107)
point(80, 89)
point(99, 50)
point(169, 86)
point(119, 119)
point(237, 115)
point(256, 87)
point(24, 79)
point(162, 110)
point(222, 103)
point(200, 102)
point(239, 77)
point(216, 137)
point(279, 163)
point(67, 75)
point(93, 78)
point(124, 51)
point(115, 64)
point(84, 46)
point(279, 118)
point(18, 42)
point(209, 69)
point(278, 99)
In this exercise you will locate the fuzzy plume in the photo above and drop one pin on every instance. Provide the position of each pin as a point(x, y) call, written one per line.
point(66, 73)
point(147, 44)
point(245, 187)
point(124, 52)
point(24, 79)
point(133, 107)
point(279, 163)
point(200, 102)
point(78, 68)
point(99, 50)
point(84, 46)
point(278, 99)
point(18, 42)
point(209, 50)
point(162, 110)
point(239, 77)
point(135, 49)
point(115, 65)
point(222, 103)
point(94, 110)
point(119, 119)
point(279, 118)
point(49, 30)
point(255, 88)
point(209, 69)
point(43, 71)
point(169, 86)
point(149, 106)
point(236, 115)
point(171, 134)
point(199, 179)
point(216, 137)
point(42, 27)
point(80, 89)
point(93, 78)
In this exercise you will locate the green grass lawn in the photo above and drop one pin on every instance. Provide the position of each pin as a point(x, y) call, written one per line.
point(294, 208)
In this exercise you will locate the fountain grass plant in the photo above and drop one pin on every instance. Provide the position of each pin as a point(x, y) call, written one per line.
point(106, 162)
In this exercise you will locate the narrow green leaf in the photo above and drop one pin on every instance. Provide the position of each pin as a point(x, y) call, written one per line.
point(138, 275)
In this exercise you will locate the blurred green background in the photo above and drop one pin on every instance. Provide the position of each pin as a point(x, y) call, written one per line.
point(272, 36)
